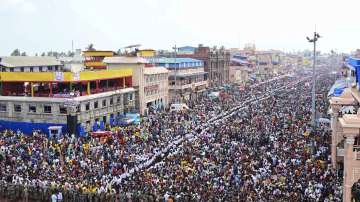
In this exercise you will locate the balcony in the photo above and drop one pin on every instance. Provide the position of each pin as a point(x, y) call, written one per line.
point(186, 86)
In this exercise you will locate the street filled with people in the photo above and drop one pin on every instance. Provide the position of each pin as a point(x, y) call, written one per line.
point(252, 143)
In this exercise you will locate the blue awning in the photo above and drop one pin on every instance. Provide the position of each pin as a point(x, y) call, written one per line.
point(338, 87)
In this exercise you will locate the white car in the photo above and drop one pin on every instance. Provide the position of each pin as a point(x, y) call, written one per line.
point(178, 107)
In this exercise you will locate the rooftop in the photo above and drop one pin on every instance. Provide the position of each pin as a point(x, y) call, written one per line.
point(173, 60)
point(125, 60)
point(28, 61)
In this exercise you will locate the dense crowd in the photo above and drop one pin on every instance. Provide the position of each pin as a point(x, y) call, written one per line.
point(260, 150)
point(264, 152)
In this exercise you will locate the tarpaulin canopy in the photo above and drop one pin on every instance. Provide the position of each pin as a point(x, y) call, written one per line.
point(95, 126)
point(81, 130)
point(112, 120)
point(338, 87)
point(102, 125)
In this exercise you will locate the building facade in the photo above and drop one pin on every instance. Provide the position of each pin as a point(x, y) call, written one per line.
point(345, 138)
point(156, 88)
point(239, 74)
point(187, 78)
point(216, 63)
point(29, 64)
point(36, 100)
point(151, 83)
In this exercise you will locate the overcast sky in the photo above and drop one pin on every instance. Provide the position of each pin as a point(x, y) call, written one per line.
point(43, 25)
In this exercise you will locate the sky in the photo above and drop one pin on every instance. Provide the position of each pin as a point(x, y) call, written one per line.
point(36, 26)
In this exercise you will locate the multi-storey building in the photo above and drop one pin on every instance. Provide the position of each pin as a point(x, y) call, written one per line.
point(187, 78)
point(29, 64)
point(74, 100)
point(216, 63)
point(267, 63)
point(345, 141)
point(151, 83)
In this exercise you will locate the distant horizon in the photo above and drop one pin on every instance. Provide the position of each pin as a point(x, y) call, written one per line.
point(115, 50)
point(37, 26)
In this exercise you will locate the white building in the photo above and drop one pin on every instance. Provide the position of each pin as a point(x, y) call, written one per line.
point(150, 82)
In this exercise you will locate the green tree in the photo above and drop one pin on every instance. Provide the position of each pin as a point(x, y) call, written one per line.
point(43, 54)
point(16, 52)
point(90, 47)
point(70, 54)
point(23, 54)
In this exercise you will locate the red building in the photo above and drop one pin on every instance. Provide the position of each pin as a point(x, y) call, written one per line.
point(216, 63)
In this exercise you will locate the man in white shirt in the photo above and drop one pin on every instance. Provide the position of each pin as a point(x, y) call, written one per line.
point(54, 197)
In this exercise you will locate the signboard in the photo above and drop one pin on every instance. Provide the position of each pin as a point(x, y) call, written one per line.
point(59, 76)
point(76, 76)
point(70, 103)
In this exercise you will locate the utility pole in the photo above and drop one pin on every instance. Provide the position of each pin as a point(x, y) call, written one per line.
point(176, 95)
point(313, 105)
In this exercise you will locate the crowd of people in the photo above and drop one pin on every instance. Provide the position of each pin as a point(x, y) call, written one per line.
point(262, 151)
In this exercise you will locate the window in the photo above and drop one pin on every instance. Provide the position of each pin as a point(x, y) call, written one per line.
point(130, 97)
point(21, 69)
point(17, 108)
point(118, 99)
point(104, 103)
point(40, 69)
point(50, 68)
point(56, 68)
point(63, 110)
point(111, 101)
point(11, 69)
point(31, 69)
point(47, 109)
point(2, 107)
point(32, 109)
point(96, 104)
point(87, 106)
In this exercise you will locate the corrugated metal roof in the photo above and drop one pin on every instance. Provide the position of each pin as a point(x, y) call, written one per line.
point(155, 70)
point(172, 60)
point(28, 61)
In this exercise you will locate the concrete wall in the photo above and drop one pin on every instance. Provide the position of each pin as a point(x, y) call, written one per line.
point(156, 88)
point(137, 80)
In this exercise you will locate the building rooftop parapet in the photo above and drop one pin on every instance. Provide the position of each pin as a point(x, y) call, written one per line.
point(346, 98)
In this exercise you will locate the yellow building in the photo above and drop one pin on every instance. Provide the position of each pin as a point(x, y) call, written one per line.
point(36, 92)
point(146, 53)
point(94, 59)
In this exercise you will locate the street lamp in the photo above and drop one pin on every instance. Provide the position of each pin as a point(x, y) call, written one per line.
point(313, 40)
